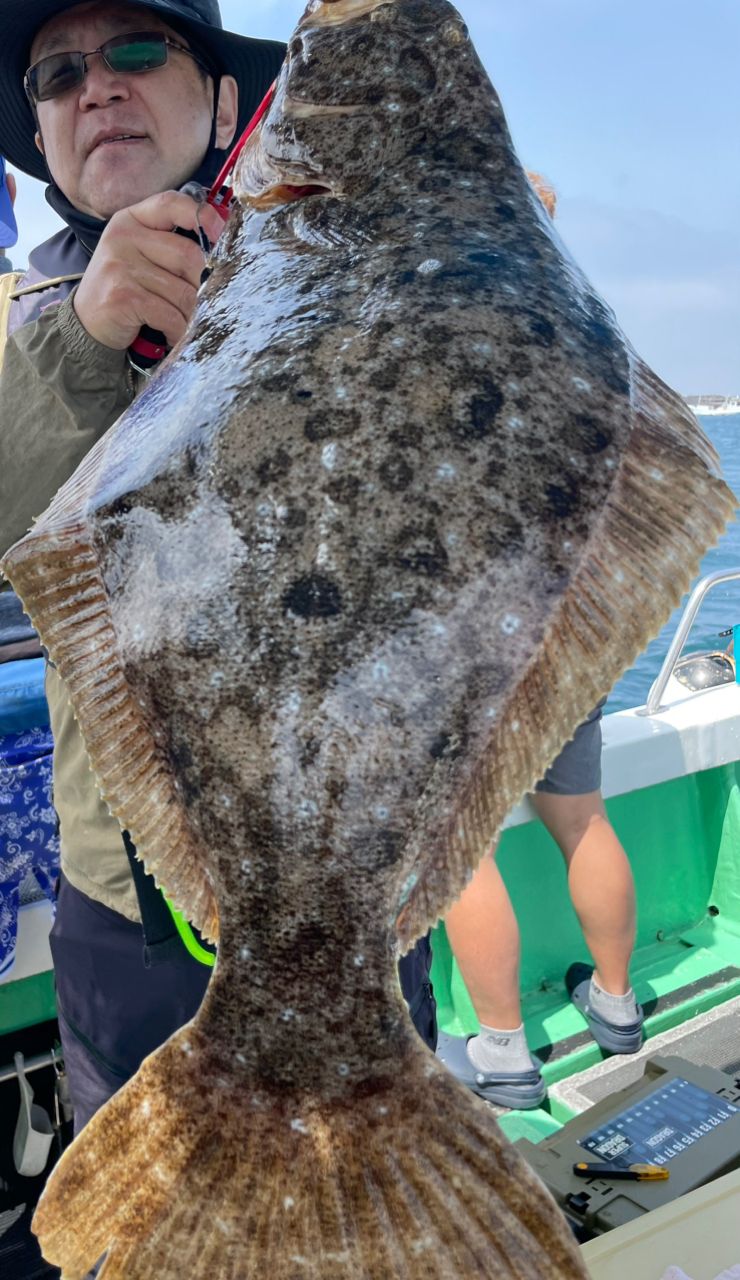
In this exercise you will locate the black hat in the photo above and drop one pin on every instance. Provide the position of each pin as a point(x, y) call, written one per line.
point(253, 64)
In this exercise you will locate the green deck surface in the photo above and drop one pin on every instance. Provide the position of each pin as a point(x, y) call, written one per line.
point(26, 1002)
point(682, 838)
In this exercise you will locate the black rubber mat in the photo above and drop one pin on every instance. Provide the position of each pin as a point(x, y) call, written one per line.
point(710, 1039)
point(20, 1258)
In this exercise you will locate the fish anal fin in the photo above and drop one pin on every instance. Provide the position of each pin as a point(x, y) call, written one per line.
point(55, 572)
point(666, 507)
point(409, 1180)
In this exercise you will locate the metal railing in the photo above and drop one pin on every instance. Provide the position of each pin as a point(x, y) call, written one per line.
point(52, 1058)
point(652, 706)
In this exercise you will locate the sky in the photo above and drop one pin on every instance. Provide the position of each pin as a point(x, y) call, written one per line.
point(631, 108)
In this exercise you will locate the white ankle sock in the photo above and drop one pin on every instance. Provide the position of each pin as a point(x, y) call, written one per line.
point(620, 1010)
point(494, 1050)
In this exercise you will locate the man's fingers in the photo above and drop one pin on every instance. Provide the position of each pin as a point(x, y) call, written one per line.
point(174, 254)
point(160, 286)
point(141, 267)
point(172, 209)
point(166, 319)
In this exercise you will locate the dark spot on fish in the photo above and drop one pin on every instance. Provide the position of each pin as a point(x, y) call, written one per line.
point(484, 409)
point(600, 333)
point(122, 506)
point(617, 379)
point(386, 377)
point(380, 848)
point(543, 331)
point(313, 596)
point(303, 394)
point(589, 433)
point(333, 423)
point(190, 460)
point(563, 499)
point(309, 752)
point(382, 328)
point(276, 381)
point(409, 436)
point(295, 518)
point(181, 759)
point(520, 364)
point(275, 467)
point(484, 258)
point(181, 755)
point(343, 489)
point(506, 212)
point(210, 336)
point(309, 938)
point(248, 704)
point(417, 71)
point(489, 679)
point(447, 150)
point(506, 537)
point(446, 746)
point(396, 474)
point(420, 550)
point(437, 335)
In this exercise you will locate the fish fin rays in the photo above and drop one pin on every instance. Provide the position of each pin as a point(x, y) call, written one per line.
point(667, 506)
point(411, 1182)
point(55, 572)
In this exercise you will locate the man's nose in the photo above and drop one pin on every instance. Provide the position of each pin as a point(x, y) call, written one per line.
point(101, 85)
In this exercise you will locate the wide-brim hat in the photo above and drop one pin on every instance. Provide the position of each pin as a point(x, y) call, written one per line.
point(254, 64)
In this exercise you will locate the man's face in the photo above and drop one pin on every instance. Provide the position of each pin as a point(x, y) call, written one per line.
point(165, 113)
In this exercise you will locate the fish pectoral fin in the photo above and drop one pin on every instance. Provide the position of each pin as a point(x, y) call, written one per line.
point(186, 1172)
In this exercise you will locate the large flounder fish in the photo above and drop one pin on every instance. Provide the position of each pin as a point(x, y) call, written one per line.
point(328, 599)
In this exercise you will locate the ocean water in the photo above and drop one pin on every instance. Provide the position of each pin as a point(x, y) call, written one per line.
point(721, 608)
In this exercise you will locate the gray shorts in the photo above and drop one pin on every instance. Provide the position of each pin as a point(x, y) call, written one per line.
point(577, 770)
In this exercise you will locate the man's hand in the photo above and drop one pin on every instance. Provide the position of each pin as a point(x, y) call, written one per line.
point(141, 273)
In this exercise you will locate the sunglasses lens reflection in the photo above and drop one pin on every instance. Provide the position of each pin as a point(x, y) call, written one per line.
point(125, 55)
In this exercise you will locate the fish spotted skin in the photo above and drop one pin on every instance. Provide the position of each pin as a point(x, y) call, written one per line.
point(343, 580)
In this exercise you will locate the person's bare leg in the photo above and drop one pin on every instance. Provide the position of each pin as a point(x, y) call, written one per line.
point(599, 879)
point(484, 936)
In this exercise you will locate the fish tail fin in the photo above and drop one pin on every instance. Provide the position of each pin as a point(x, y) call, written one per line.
point(189, 1171)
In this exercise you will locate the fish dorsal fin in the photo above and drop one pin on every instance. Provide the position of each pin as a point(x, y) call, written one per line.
point(667, 504)
point(56, 567)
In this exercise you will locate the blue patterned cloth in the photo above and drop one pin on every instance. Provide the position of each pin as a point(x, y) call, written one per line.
point(28, 827)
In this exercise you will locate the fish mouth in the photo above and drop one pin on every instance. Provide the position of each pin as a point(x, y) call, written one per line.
point(263, 181)
point(333, 12)
point(286, 193)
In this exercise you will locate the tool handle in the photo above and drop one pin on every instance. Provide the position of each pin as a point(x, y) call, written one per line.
point(633, 1173)
point(150, 346)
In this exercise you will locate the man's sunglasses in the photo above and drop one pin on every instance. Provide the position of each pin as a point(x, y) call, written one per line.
point(124, 55)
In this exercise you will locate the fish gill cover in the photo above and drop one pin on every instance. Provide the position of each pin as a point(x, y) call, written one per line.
point(328, 599)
